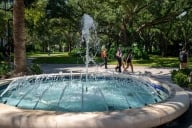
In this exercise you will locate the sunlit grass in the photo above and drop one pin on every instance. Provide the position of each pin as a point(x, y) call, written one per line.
point(56, 58)
point(36, 55)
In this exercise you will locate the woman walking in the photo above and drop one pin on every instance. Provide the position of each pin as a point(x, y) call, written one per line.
point(119, 59)
point(128, 61)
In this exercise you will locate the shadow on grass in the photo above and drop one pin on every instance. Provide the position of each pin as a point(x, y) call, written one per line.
point(58, 60)
point(154, 61)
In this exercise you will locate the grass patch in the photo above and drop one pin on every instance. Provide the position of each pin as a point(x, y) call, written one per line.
point(157, 61)
point(57, 58)
point(65, 58)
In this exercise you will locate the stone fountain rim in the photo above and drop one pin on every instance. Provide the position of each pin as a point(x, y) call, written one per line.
point(145, 117)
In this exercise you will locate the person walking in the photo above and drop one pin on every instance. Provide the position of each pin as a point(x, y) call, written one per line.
point(183, 58)
point(119, 59)
point(128, 61)
point(104, 57)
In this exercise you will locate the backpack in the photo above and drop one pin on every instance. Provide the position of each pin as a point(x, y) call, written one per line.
point(183, 56)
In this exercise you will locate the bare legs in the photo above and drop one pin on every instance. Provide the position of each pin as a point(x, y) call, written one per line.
point(126, 66)
point(118, 67)
point(183, 65)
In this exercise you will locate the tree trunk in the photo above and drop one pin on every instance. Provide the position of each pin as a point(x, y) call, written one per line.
point(163, 45)
point(19, 37)
point(124, 32)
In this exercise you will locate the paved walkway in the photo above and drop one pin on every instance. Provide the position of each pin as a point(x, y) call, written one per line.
point(56, 68)
point(162, 74)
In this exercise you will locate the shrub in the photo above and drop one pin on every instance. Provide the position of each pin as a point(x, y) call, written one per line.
point(140, 54)
point(180, 77)
point(35, 69)
point(185, 71)
point(190, 85)
point(4, 69)
point(173, 73)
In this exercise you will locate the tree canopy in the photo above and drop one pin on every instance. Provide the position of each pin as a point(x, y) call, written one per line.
point(150, 26)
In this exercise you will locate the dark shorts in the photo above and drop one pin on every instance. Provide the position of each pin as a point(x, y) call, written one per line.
point(129, 61)
point(183, 61)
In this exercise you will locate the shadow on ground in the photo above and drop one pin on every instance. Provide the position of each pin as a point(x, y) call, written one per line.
point(184, 121)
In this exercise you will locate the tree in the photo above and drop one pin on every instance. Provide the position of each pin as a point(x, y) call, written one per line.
point(19, 37)
point(152, 25)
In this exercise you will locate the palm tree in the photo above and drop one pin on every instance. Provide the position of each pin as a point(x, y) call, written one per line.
point(19, 37)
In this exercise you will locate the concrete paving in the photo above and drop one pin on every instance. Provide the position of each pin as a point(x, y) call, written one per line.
point(162, 74)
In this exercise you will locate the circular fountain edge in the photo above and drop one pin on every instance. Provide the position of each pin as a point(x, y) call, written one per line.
point(145, 117)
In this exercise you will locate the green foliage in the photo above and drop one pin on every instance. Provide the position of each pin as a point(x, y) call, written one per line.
point(155, 24)
point(111, 53)
point(140, 53)
point(3, 69)
point(173, 73)
point(185, 71)
point(77, 52)
point(28, 3)
point(58, 8)
point(36, 69)
point(180, 77)
point(190, 85)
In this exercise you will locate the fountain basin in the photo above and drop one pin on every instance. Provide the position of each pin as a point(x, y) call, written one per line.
point(82, 93)
point(143, 117)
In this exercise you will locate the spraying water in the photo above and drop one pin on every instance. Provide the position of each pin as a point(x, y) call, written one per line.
point(89, 38)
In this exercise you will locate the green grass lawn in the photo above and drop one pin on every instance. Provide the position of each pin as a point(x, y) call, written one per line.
point(158, 61)
point(65, 58)
point(57, 58)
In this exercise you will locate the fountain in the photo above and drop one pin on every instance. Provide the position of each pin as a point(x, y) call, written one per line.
point(81, 92)
point(89, 99)
point(89, 39)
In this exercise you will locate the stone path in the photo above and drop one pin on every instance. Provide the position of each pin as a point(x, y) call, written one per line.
point(162, 74)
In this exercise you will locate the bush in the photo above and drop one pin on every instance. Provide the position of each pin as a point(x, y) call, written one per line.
point(4, 69)
point(180, 77)
point(190, 85)
point(77, 52)
point(35, 69)
point(111, 53)
point(140, 54)
point(185, 71)
point(173, 73)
